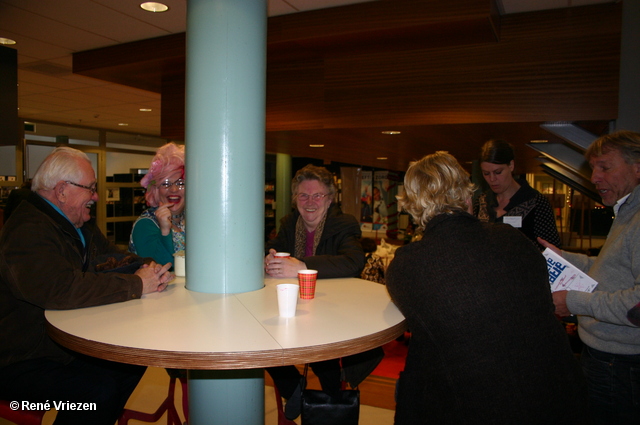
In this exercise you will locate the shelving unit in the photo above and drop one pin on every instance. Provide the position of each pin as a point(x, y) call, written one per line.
point(125, 202)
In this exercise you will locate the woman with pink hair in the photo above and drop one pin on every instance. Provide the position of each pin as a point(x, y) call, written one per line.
point(159, 232)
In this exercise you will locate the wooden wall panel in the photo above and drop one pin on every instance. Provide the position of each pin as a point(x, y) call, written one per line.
point(449, 74)
point(564, 67)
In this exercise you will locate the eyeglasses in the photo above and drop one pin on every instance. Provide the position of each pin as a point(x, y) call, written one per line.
point(93, 189)
point(167, 184)
point(316, 196)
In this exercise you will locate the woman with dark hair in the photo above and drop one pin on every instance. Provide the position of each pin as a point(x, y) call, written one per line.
point(513, 201)
point(486, 347)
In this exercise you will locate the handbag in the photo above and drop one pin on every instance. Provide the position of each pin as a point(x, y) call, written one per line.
point(319, 408)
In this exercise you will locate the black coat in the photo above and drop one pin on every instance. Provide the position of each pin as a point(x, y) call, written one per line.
point(486, 347)
point(338, 254)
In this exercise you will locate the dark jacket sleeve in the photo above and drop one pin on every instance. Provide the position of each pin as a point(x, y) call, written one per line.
point(348, 260)
point(339, 253)
point(43, 265)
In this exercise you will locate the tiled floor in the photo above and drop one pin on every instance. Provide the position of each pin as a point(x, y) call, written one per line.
point(152, 390)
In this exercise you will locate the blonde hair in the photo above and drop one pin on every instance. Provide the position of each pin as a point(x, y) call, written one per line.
point(434, 185)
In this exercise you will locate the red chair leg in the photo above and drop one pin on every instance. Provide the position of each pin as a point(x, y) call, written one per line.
point(282, 420)
point(22, 417)
point(185, 398)
point(167, 406)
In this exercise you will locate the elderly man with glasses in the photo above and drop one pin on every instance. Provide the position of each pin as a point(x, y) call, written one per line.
point(52, 256)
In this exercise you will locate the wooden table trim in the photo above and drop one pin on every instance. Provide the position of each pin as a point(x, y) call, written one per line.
point(223, 360)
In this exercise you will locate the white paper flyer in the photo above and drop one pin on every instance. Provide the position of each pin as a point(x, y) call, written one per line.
point(564, 276)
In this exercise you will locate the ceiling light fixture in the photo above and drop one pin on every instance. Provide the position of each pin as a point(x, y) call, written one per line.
point(382, 158)
point(391, 132)
point(7, 41)
point(152, 6)
point(123, 124)
point(539, 141)
point(145, 109)
point(316, 146)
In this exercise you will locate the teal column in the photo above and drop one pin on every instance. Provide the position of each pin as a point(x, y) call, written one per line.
point(225, 140)
point(225, 151)
point(283, 186)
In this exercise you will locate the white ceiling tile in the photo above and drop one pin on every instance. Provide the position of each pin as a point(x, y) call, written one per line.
point(172, 21)
point(37, 27)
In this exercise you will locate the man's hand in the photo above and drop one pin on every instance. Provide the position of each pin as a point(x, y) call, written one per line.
point(560, 301)
point(155, 277)
point(552, 247)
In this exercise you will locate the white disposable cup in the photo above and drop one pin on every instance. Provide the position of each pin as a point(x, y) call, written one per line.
point(179, 266)
point(282, 255)
point(287, 299)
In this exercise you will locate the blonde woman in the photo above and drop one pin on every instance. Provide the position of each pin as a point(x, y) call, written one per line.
point(485, 344)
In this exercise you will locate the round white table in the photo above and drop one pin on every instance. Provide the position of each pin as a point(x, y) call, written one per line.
point(179, 328)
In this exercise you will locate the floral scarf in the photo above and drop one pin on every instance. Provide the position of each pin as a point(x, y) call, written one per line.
point(301, 236)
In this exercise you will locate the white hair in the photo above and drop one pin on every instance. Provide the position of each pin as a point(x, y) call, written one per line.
point(61, 164)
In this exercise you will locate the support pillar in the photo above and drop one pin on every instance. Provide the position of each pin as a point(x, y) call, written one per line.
point(225, 151)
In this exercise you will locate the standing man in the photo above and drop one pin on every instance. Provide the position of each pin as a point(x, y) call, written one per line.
point(607, 317)
point(49, 253)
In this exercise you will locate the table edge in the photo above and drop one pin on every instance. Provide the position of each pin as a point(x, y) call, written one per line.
point(224, 360)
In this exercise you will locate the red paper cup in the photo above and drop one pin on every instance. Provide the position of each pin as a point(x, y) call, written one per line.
point(282, 255)
point(307, 282)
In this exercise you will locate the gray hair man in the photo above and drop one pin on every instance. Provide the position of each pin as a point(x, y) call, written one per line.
point(609, 318)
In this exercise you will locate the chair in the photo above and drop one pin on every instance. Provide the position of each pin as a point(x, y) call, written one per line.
point(167, 406)
point(22, 417)
point(282, 420)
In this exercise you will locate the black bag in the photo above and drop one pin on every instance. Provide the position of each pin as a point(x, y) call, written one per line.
point(319, 408)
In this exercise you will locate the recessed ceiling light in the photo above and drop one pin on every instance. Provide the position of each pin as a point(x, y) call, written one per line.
point(391, 132)
point(152, 6)
point(123, 124)
point(316, 146)
point(145, 109)
point(382, 158)
point(7, 41)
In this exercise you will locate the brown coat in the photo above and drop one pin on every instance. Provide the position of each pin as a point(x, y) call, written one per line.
point(43, 265)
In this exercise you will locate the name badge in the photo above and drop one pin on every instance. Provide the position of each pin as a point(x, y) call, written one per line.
point(515, 221)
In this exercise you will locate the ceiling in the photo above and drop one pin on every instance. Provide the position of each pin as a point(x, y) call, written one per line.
point(48, 32)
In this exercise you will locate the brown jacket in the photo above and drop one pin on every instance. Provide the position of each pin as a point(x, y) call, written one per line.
point(44, 265)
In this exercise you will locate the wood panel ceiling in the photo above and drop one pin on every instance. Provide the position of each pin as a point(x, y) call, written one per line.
point(448, 74)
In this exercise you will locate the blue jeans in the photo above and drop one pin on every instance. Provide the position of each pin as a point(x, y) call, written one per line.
point(614, 386)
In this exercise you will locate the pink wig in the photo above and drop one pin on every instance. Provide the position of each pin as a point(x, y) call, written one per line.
point(169, 159)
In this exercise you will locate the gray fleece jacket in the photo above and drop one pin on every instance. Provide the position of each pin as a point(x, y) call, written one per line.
point(604, 314)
